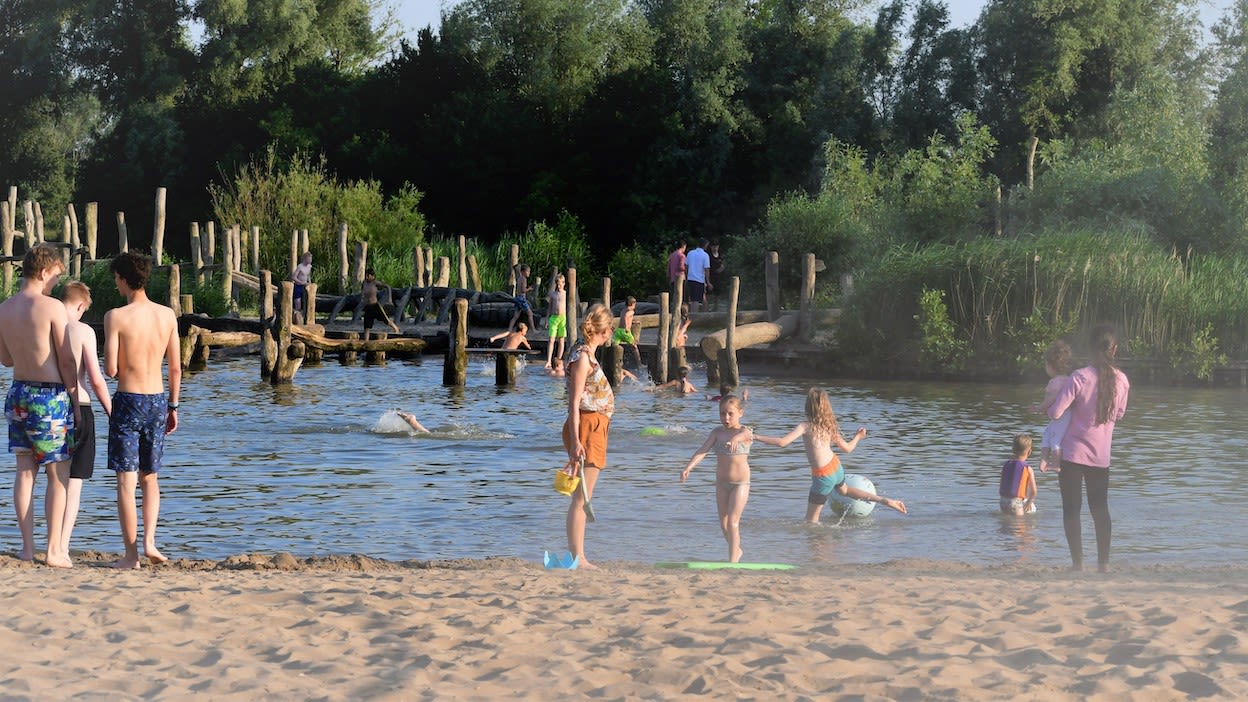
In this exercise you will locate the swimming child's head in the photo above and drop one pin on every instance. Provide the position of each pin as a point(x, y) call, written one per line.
point(820, 415)
point(556, 364)
point(1057, 358)
point(522, 328)
point(1022, 446)
point(683, 372)
point(726, 388)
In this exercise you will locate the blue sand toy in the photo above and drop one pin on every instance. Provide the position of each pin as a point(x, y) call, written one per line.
point(556, 562)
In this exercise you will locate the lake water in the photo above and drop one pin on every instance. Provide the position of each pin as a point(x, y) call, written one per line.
point(324, 467)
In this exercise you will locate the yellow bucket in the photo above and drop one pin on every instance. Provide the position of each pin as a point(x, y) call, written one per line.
point(565, 483)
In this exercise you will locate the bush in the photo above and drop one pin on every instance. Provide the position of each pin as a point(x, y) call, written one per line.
point(637, 271)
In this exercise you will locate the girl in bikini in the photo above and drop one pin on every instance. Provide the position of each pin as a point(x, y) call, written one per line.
point(820, 433)
point(731, 443)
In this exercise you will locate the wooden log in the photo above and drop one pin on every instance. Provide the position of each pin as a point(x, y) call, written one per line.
point(747, 335)
point(806, 300)
point(360, 264)
point(175, 288)
point(290, 350)
point(658, 363)
point(463, 262)
point(771, 270)
point(675, 361)
point(611, 358)
point(418, 266)
point(255, 250)
point(309, 305)
point(75, 268)
point(188, 340)
point(123, 239)
point(375, 357)
point(347, 355)
point(210, 243)
point(6, 240)
point(400, 307)
point(305, 241)
point(726, 359)
point(158, 228)
point(237, 233)
point(573, 307)
point(606, 292)
point(93, 227)
point(513, 260)
point(455, 364)
point(474, 274)
point(225, 339)
point(39, 237)
point(506, 367)
point(343, 262)
point(12, 201)
point(429, 266)
point(197, 255)
point(444, 272)
point(268, 345)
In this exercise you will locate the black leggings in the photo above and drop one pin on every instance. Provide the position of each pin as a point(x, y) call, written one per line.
point(1097, 479)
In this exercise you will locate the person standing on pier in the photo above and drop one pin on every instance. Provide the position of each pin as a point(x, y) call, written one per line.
point(40, 405)
point(137, 338)
point(373, 310)
point(302, 277)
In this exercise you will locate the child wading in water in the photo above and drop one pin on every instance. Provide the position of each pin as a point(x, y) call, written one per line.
point(731, 443)
point(1057, 361)
point(819, 434)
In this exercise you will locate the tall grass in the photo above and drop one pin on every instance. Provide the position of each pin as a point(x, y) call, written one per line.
point(1005, 295)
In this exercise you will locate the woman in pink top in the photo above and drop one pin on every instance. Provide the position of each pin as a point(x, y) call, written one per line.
point(1097, 398)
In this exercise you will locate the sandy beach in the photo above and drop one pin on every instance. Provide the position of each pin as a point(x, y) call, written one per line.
point(353, 628)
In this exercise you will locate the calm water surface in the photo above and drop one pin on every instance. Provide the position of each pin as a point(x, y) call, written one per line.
point(324, 467)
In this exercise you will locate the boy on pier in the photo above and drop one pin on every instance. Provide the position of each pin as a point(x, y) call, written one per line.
point(373, 310)
point(514, 339)
point(522, 297)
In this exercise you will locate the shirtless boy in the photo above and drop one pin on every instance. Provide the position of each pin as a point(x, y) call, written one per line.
point(373, 310)
point(77, 299)
point(137, 337)
point(40, 404)
point(514, 339)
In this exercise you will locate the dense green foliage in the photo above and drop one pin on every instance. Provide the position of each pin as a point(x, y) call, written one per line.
point(1053, 165)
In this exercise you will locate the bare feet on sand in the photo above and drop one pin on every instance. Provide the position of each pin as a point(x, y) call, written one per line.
point(154, 557)
point(126, 564)
point(58, 562)
point(25, 556)
point(586, 565)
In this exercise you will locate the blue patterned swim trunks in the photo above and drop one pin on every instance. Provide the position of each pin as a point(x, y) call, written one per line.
point(41, 420)
point(136, 432)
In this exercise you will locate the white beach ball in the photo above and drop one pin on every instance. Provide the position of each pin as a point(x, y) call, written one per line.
point(846, 506)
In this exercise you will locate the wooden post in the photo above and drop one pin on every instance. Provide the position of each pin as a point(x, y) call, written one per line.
point(158, 229)
point(444, 272)
point(237, 233)
point(473, 273)
point(309, 314)
point(295, 253)
point(197, 255)
point(12, 221)
point(227, 272)
point(6, 240)
point(39, 238)
point(255, 250)
point(455, 365)
point(175, 289)
point(429, 266)
point(611, 358)
point(289, 350)
point(123, 240)
point(347, 358)
point(188, 340)
point(806, 304)
point(463, 262)
point(210, 243)
point(771, 267)
point(75, 259)
point(658, 364)
point(606, 292)
point(505, 366)
point(28, 223)
point(67, 253)
point(418, 266)
point(675, 325)
point(268, 344)
point(376, 358)
point(361, 264)
point(728, 372)
point(574, 308)
point(93, 227)
point(342, 259)
point(305, 241)
point(513, 260)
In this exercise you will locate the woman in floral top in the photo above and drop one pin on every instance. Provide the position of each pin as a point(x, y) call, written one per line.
point(590, 406)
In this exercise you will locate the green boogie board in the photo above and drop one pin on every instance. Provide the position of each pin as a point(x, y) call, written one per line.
point(721, 565)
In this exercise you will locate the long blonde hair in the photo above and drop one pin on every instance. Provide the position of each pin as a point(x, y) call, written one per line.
point(597, 320)
point(820, 415)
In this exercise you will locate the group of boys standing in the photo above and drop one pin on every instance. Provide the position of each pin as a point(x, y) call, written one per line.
point(51, 424)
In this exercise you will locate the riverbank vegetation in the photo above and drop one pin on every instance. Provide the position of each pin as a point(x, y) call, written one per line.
point(972, 191)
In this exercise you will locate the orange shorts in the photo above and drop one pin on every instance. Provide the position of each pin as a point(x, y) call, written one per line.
point(594, 426)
